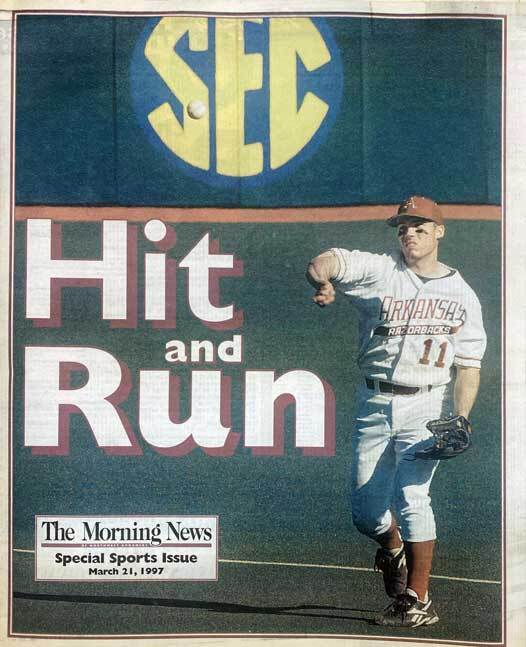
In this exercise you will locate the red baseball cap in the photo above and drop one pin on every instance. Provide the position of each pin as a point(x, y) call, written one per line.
point(417, 207)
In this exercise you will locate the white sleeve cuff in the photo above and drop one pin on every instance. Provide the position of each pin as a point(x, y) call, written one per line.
point(466, 362)
point(341, 261)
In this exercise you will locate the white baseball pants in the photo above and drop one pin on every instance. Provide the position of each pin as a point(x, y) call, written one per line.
point(389, 428)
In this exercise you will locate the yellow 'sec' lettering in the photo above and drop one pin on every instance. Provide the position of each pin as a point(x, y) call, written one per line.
point(291, 127)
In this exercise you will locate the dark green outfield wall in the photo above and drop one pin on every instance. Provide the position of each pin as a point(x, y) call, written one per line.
point(413, 107)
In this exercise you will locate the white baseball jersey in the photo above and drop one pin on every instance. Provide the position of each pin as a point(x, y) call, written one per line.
point(411, 331)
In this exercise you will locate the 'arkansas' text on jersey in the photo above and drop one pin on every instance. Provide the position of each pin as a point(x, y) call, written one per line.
point(405, 309)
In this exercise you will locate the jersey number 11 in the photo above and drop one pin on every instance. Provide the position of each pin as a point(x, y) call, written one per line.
point(427, 350)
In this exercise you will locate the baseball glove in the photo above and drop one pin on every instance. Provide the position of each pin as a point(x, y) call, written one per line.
point(452, 436)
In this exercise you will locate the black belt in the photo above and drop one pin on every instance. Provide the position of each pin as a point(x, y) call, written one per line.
point(397, 389)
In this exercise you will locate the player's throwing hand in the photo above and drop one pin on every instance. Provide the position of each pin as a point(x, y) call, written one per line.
point(319, 274)
point(325, 294)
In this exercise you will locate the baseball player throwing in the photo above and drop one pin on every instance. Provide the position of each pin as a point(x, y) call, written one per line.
point(420, 324)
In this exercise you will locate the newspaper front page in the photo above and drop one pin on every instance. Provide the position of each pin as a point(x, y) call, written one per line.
point(249, 253)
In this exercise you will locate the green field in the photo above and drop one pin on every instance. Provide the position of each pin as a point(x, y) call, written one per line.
point(284, 509)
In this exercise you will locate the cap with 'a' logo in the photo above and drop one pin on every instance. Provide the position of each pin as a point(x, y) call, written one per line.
point(417, 207)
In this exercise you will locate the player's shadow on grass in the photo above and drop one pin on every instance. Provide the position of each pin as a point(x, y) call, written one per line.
point(215, 607)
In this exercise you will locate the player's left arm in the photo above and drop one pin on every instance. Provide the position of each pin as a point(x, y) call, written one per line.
point(466, 388)
point(470, 347)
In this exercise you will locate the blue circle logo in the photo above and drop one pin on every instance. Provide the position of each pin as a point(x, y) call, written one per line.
point(236, 100)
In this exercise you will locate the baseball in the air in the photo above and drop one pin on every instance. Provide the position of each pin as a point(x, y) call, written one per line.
point(196, 109)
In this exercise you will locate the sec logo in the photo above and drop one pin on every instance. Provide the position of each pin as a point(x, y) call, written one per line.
point(236, 100)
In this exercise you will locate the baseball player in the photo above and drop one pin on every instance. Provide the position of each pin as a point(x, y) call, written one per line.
point(420, 326)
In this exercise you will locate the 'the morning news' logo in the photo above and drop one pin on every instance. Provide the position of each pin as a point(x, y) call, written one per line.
point(232, 100)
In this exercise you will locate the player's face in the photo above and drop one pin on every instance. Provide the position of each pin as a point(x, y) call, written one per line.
point(420, 240)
